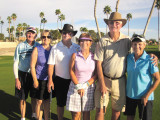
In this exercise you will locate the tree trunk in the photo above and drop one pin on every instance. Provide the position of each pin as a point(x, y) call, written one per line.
point(158, 32)
point(128, 27)
point(149, 17)
point(9, 33)
point(95, 5)
point(14, 31)
point(61, 24)
point(117, 5)
point(57, 24)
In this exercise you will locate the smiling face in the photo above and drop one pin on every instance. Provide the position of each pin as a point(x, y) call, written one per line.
point(46, 38)
point(66, 36)
point(85, 44)
point(138, 48)
point(114, 26)
point(30, 35)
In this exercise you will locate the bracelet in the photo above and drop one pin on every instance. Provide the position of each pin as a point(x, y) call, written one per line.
point(88, 83)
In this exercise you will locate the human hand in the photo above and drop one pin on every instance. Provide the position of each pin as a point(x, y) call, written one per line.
point(36, 84)
point(50, 86)
point(81, 92)
point(18, 84)
point(144, 100)
point(154, 59)
point(103, 90)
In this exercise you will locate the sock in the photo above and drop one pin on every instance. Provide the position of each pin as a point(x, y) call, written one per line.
point(22, 118)
point(34, 115)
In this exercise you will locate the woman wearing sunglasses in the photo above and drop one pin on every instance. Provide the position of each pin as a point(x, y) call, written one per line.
point(39, 73)
point(80, 97)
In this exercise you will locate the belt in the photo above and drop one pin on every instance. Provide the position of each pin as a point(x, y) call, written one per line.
point(113, 78)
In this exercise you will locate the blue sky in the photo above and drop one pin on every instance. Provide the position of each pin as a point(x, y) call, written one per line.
point(80, 13)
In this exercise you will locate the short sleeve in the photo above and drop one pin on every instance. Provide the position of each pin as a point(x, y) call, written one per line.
point(99, 51)
point(16, 54)
point(153, 68)
point(51, 59)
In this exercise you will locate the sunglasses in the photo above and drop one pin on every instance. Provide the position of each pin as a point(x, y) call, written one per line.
point(49, 37)
point(66, 33)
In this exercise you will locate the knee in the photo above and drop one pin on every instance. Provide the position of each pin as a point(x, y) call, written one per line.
point(39, 102)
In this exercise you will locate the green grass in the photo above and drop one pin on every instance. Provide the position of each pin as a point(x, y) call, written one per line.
point(9, 105)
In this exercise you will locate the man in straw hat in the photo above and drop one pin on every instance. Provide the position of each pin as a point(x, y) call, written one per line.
point(59, 58)
point(21, 68)
point(111, 52)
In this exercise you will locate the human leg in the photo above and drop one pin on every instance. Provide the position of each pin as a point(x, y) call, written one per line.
point(46, 104)
point(38, 106)
point(86, 115)
point(23, 108)
point(115, 114)
point(33, 105)
point(99, 114)
point(60, 112)
point(76, 115)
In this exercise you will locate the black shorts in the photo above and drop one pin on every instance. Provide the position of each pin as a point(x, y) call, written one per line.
point(42, 91)
point(26, 84)
point(131, 105)
point(61, 87)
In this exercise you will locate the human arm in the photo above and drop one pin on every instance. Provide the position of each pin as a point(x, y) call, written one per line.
point(103, 87)
point(33, 62)
point(152, 88)
point(154, 59)
point(72, 69)
point(15, 69)
point(50, 84)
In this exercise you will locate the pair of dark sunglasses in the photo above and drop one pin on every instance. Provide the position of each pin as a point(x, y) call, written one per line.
point(49, 37)
point(66, 33)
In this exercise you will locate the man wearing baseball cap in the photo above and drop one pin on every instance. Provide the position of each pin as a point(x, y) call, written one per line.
point(111, 53)
point(21, 68)
point(59, 58)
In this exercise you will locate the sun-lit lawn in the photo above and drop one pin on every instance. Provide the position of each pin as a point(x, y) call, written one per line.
point(9, 108)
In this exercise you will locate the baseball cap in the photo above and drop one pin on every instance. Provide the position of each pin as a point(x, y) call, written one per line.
point(31, 29)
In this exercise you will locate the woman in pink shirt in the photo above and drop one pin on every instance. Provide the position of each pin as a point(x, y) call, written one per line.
point(83, 76)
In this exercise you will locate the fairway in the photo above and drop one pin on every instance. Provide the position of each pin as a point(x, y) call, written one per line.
point(9, 105)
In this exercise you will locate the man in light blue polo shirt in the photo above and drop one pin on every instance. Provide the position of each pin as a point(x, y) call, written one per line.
point(140, 86)
point(21, 68)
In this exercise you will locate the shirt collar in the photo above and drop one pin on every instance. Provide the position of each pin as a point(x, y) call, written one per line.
point(62, 45)
point(143, 55)
point(122, 36)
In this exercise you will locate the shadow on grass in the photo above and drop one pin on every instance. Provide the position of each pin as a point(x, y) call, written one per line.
point(9, 107)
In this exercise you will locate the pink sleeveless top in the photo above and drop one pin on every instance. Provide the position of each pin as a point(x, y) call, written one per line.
point(84, 68)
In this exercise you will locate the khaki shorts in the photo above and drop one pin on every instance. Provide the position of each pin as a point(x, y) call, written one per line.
point(117, 89)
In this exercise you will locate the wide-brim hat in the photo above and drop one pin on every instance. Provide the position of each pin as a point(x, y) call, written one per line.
point(31, 29)
point(68, 28)
point(115, 16)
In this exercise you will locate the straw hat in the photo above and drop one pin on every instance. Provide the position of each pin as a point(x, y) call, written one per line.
point(115, 16)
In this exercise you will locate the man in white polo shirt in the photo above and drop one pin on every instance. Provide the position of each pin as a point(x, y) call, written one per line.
point(59, 58)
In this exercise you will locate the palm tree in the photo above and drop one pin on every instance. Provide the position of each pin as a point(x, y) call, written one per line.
point(129, 17)
point(44, 21)
point(14, 17)
point(9, 21)
point(1, 25)
point(11, 31)
point(107, 10)
point(158, 7)
point(95, 5)
point(57, 12)
point(61, 18)
point(83, 29)
point(24, 25)
point(19, 30)
point(149, 17)
point(41, 15)
point(117, 5)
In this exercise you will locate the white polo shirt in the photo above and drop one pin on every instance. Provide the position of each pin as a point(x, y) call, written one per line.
point(60, 57)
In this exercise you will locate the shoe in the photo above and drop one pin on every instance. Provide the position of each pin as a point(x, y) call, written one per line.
point(33, 118)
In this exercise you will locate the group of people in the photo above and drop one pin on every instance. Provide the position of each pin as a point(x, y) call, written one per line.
point(84, 80)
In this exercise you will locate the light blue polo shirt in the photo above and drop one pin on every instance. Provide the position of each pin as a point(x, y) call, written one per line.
point(139, 79)
point(23, 55)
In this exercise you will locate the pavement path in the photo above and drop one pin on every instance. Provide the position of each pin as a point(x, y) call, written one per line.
point(7, 51)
